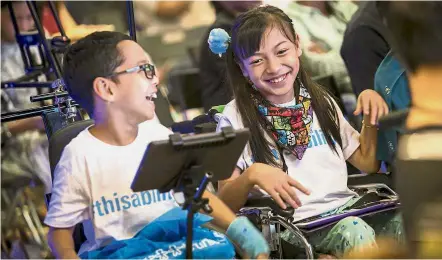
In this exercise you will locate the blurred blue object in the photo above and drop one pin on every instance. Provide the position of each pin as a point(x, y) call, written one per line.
point(165, 238)
point(391, 83)
point(218, 41)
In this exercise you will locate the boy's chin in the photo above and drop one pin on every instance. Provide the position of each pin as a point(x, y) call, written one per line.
point(144, 117)
point(149, 116)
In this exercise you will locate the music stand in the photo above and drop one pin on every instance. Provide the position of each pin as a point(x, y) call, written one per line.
point(191, 162)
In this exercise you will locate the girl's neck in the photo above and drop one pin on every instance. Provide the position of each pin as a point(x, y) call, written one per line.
point(278, 100)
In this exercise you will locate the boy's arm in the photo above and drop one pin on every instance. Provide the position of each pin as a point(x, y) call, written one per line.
point(62, 243)
point(222, 215)
point(69, 205)
point(238, 229)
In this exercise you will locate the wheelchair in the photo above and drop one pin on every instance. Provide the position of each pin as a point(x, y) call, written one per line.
point(272, 220)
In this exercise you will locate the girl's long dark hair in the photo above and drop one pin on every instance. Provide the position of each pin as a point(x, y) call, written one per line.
point(247, 34)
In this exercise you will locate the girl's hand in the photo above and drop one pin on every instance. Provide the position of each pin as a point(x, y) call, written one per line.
point(277, 184)
point(372, 105)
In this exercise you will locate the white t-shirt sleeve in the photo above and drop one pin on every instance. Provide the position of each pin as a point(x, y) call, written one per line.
point(69, 203)
point(349, 136)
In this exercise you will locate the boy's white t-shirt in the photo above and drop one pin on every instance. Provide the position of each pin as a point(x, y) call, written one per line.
point(321, 170)
point(92, 185)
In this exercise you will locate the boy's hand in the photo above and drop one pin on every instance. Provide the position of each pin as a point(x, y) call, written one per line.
point(69, 254)
point(262, 256)
point(248, 238)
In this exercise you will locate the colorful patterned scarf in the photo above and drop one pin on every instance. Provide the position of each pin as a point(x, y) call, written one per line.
point(290, 126)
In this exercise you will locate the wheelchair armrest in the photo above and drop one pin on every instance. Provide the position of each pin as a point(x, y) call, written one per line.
point(267, 201)
point(363, 179)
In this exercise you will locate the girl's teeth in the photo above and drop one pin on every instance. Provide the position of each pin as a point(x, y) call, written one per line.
point(278, 79)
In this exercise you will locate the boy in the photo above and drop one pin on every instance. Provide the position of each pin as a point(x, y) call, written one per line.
point(112, 78)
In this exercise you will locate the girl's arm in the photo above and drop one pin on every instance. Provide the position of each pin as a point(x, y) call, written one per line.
point(371, 104)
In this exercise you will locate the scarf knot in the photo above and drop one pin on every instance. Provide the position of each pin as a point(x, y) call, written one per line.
point(289, 126)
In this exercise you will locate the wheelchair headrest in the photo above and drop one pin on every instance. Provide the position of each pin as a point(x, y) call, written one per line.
point(217, 109)
point(63, 137)
point(201, 124)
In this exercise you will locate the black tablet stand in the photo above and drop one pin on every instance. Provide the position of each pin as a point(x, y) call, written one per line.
point(192, 187)
point(193, 164)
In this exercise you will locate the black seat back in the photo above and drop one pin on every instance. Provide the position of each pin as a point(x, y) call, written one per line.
point(329, 82)
point(63, 137)
point(57, 143)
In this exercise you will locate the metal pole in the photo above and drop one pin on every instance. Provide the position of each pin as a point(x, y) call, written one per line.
point(26, 85)
point(56, 18)
point(46, 47)
point(131, 20)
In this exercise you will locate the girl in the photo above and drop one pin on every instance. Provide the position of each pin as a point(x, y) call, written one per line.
point(300, 138)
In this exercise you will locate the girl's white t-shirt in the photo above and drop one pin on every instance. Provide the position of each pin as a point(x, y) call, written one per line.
point(321, 170)
point(92, 186)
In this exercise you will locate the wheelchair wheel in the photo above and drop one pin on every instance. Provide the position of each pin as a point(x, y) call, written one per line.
point(272, 227)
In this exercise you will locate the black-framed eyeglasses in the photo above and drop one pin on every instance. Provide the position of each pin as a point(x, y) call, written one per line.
point(149, 70)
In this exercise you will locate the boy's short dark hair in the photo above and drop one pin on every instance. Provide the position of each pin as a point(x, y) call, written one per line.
point(416, 30)
point(95, 55)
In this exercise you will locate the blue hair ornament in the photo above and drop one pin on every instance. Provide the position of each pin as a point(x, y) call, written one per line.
point(218, 41)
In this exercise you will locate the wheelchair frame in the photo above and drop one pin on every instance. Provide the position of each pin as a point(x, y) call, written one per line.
point(270, 225)
point(270, 222)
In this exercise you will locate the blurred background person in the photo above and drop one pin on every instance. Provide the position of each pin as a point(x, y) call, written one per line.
point(14, 67)
point(214, 84)
point(321, 26)
point(364, 46)
point(391, 83)
point(72, 29)
point(159, 17)
point(99, 12)
point(24, 144)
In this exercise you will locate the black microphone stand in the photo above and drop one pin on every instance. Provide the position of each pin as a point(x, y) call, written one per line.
point(50, 65)
point(63, 112)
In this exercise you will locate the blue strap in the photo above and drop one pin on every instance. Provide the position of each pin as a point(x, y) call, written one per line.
point(248, 237)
